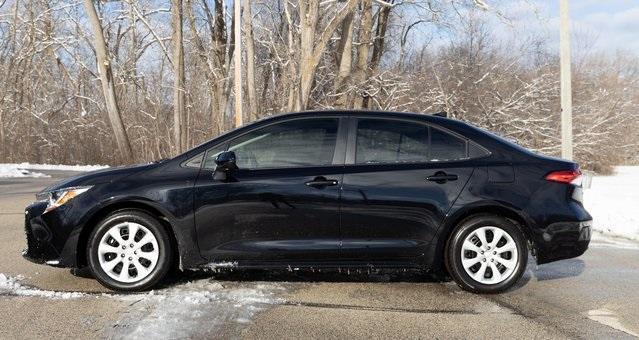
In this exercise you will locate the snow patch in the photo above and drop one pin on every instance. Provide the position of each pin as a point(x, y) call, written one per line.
point(12, 286)
point(197, 310)
point(612, 201)
point(30, 166)
point(22, 170)
point(219, 265)
point(191, 310)
point(13, 172)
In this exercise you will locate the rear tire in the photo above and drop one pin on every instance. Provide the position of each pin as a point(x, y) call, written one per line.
point(124, 262)
point(486, 254)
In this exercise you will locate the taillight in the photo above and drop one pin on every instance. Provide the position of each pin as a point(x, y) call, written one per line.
point(565, 176)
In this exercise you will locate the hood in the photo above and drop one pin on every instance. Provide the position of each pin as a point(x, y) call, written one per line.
point(99, 176)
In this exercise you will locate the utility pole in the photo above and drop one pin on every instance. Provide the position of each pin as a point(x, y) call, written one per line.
point(237, 55)
point(566, 81)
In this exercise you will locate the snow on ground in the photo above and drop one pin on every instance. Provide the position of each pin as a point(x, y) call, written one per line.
point(15, 170)
point(7, 170)
point(12, 286)
point(613, 202)
point(197, 309)
point(188, 310)
point(58, 167)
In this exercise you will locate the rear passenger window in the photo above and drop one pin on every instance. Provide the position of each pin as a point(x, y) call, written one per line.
point(387, 141)
point(392, 141)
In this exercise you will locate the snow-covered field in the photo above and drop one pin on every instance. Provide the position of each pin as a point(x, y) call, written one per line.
point(17, 170)
point(612, 201)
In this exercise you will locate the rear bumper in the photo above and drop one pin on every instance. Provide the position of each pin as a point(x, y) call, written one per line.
point(564, 240)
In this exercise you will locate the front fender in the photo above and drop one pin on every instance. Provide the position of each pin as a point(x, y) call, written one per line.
point(181, 227)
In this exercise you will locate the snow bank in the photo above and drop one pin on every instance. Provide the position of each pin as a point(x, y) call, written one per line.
point(612, 201)
point(55, 166)
point(16, 170)
point(7, 170)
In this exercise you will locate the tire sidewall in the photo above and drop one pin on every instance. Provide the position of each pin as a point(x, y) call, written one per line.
point(165, 252)
point(454, 258)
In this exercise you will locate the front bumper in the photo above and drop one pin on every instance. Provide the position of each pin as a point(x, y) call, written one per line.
point(47, 238)
point(564, 240)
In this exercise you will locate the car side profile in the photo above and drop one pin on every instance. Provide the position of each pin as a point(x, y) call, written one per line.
point(327, 189)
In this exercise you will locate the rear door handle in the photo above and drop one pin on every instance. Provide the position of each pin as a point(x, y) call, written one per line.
point(442, 177)
point(320, 182)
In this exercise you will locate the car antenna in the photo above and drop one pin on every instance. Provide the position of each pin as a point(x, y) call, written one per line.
point(441, 114)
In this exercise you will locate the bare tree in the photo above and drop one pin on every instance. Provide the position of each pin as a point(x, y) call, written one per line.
point(179, 116)
point(312, 46)
point(250, 60)
point(171, 88)
point(108, 86)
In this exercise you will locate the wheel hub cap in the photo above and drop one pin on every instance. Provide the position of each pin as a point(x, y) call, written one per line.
point(128, 252)
point(489, 255)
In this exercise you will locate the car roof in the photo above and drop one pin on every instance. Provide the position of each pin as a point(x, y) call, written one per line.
point(432, 117)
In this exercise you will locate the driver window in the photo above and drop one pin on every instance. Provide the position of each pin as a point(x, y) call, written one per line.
point(296, 143)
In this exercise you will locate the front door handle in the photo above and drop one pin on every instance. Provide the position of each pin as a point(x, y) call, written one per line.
point(441, 177)
point(320, 182)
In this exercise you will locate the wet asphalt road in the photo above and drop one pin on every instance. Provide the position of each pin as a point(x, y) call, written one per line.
point(594, 296)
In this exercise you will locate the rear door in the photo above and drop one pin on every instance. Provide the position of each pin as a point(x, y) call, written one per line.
point(400, 179)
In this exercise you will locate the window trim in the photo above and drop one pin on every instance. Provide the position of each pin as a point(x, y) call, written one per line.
point(351, 148)
point(338, 153)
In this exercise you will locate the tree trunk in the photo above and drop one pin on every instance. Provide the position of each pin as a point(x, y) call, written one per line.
point(108, 87)
point(293, 75)
point(345, 52)
point(363, 49)
point(237, 61)
point(309, 15)
point(378, 46)
point(3, 156)
point(179, 121)
point(253, 109)
point(313, 47)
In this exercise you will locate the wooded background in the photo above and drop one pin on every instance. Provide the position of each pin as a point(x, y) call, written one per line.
point(93, 82)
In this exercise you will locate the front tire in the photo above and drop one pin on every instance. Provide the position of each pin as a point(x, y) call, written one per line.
point(486, 254)
point(129, 251)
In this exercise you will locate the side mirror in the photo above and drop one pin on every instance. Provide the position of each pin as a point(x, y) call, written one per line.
point(225, 162)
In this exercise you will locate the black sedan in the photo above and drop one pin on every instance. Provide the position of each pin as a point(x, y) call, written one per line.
point(321, 190)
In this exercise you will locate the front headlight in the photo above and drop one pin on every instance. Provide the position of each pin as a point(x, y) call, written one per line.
point(60, 197)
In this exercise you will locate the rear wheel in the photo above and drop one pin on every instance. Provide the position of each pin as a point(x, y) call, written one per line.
point(129, 251)
point(486, 254)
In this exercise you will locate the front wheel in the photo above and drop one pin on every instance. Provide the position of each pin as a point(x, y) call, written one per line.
point(129, 251)
point(486, 254)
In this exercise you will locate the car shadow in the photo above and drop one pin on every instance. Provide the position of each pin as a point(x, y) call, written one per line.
point(550, 271)
point(246, 275)
point(559, 270)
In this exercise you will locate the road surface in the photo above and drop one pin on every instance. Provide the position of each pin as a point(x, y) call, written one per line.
point(594, 296)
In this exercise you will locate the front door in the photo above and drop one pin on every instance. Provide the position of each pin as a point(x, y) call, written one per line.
point(283, 202)
point(400, 179)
